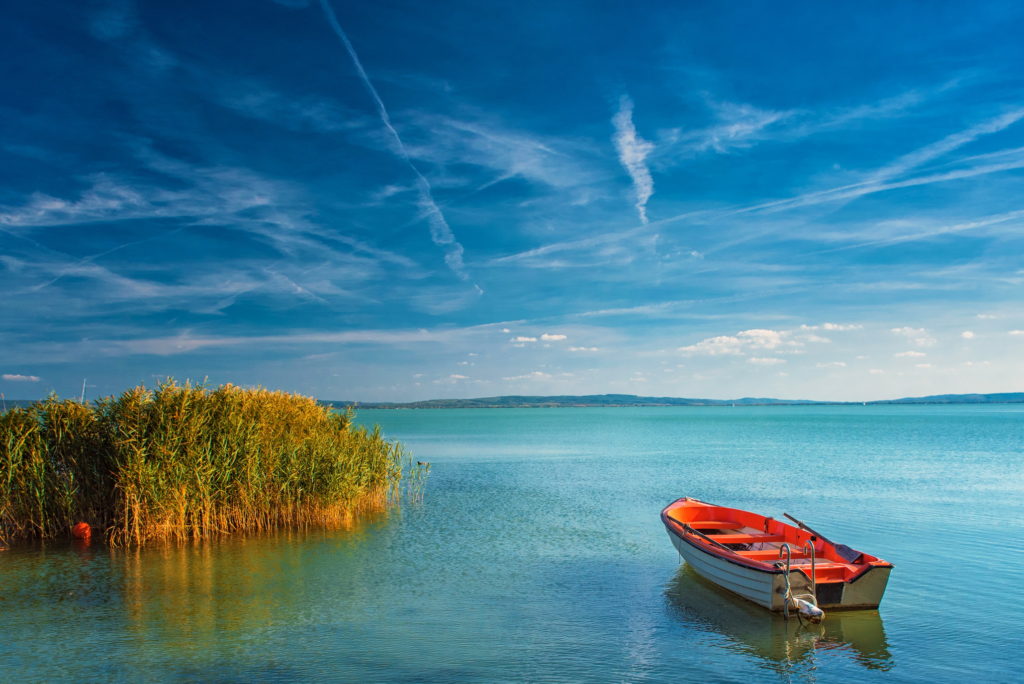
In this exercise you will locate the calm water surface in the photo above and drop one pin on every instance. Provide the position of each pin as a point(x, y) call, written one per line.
point(538, 555)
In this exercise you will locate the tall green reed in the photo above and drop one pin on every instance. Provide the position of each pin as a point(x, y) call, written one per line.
point(185, 462)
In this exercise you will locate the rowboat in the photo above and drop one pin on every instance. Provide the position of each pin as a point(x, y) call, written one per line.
point(779, 566)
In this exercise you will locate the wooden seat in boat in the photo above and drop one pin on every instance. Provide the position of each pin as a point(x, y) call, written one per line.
point(748, 538)
point(715, 525)
point(770, 554)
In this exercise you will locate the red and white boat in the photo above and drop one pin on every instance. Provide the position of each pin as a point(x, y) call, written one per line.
point(779, 566)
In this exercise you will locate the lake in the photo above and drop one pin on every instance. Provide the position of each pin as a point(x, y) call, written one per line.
point(537, 554)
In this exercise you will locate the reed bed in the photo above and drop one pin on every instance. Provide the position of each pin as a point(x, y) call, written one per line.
point(183, 462)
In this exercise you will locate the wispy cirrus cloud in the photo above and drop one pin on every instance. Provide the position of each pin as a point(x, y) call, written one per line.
point(188, 341)
point(894, 232)
point(880, 180)
point(737, 126)
point(547, 255)
point(633, 151)
point(742, 125)
point(440, 232)
point(484, 141)
point(256, 99)
point(945, 145)
point(194, 197)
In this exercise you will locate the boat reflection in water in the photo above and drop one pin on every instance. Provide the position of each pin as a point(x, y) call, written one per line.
point(783, 645)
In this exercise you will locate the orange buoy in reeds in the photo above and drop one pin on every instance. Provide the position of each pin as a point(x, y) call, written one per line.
point(81, 531)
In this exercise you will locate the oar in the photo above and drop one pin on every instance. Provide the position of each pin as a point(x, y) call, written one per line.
point(848, 554)
point(700, 534)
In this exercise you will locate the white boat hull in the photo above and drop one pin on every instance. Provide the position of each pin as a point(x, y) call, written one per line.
point(768, 588)
point(761, 587)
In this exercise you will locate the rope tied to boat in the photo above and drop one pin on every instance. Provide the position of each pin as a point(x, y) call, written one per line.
point(806, 604)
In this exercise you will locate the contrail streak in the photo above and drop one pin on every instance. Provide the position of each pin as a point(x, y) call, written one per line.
point(440, 232)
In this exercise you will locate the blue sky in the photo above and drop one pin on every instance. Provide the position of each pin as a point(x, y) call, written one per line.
point(405, 200)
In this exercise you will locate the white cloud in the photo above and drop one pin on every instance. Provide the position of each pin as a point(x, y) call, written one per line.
point(1017, 332)
point(583, 349)
point(918, 336)
point(841, 326)
point(633, 151)
point(714, 346)
point(505, 330)
point(535, 375)
point(753, 340)
point(15, 377)
point(987, 317)
point(548, 337)
point(765, 361)
point(456, 376)
point(523, 338)
point(922, 365)
point(910, 353)
point(876, 371)
point(832, 364)
point(967, 335)
point(760, 338)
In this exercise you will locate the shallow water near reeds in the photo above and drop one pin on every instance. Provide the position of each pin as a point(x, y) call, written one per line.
point(537, 555)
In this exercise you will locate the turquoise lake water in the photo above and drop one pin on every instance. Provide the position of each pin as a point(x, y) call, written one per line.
point(537, 555)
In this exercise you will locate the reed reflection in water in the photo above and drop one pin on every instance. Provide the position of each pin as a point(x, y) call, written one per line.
point(206, 610)
point(784, 646)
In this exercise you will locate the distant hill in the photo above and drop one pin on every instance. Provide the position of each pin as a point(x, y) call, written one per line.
point(1003, 398)
point(612, 400)
point(15, 403)
point(520, 401)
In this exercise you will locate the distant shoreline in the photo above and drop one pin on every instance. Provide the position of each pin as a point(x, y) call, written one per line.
point(633, 401)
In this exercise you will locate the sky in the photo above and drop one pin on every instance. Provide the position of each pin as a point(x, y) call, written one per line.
point(399, 200)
